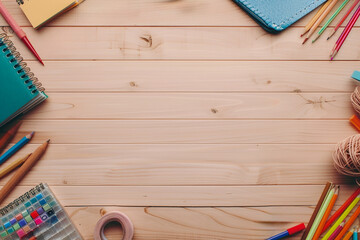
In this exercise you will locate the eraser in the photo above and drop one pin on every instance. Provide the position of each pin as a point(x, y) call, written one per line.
point(296, 229)
point(355, 121)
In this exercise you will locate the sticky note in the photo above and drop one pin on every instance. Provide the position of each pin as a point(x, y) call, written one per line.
point(2, 228)
point(21, 233)
point(40, 211)
point(38, 221)
point(46, 207)
point(3, 234)
point(7, 225)
point(22, 223)
point(18, 217)
point(25, 213)
point(10, 230)
point(16, 226)
point(26, 229)
point(28, 218)
point(27, 204)
point(42, 201)
point(39, 196)
point(13, 221)
point(44, 217)
point(50, 212)
point(33, 200)
point(34, 214)
point(54, 219)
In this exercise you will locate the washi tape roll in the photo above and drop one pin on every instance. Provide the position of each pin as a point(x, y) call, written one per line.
point(126, 224)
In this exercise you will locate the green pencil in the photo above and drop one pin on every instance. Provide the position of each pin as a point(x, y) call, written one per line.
point(331, 19)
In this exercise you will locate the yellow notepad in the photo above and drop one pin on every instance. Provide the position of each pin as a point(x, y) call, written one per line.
point(40, 12)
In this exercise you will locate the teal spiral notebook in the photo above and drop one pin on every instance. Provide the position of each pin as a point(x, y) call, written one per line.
point(20, 90)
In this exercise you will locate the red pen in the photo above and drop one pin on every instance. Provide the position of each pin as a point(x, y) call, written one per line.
point(18, 31)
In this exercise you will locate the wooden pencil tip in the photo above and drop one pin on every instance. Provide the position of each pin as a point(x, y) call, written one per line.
point(48, 141)
point(305, 40)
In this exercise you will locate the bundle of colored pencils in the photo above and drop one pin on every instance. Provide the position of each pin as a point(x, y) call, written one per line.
point(337, 226)
point(320, 16)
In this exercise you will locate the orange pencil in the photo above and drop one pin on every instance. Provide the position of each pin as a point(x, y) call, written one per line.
point(4, 140)
point(326, 214)
point(348, 224)
point(316, 17)
point(348, 235)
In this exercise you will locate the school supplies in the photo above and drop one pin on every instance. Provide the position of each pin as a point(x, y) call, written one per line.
point(321, 18)
point(16, 147)
point(337, 231)
point(275, 16)
point(6, 170)
point(356, 76)
point(355, 234)
point(338, 25)
point(16, 178)
point(37, 214)
point(40, 12)
point(348, 235)
point(288, 232)
point(320, 214)
point(125, 222)
point(6, 138)
point(20, 90)
point(315, 18)
point(341, 209)
point(326, 214)
point(355, 121)
point(18, 31)
point(318, 205)
point(345, 33)
point(341, 218)
point(349, 223)
point(331, 19)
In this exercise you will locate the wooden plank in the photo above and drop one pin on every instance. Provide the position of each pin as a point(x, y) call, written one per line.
point(196, 76)
point(149, 13)
point(187, 131)
point(185, 164)
point(195, 106)
point(208, 196)
point(181, 43)
point(154, 223)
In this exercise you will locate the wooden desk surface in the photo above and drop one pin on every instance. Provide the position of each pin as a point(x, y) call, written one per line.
point(186, 116)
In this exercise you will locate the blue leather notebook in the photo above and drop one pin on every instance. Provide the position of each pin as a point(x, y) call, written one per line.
point(276, 15)
point(20, 90)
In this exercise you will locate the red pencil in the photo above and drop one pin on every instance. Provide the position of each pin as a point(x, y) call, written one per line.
point(346, 32)
point(343, 19)
point(341, 210)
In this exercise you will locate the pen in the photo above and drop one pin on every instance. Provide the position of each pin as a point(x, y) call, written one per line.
point(18, 31)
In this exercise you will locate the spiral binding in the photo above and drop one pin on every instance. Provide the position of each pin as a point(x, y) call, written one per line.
point(20, 2)
point(25, 72)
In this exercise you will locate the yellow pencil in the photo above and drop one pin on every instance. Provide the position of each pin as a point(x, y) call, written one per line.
point(316, 17)
point(321, 18)
point(13, 166)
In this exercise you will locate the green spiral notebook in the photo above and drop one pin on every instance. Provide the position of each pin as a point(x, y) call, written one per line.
point(20, 90)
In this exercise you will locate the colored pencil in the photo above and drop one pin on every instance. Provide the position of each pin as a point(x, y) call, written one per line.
point(338, 25)
point(341, 218)
point(320, 214)
point(288, 232)
point(6, 138)
point(331, 19)
point(326, 214)
point(346, 32)
point(318, 205)
point(16, 147)
point(316, 17)
point(20, 174)
point(355, 234)
point(349, 223)
point(337, 231)
point(341, 209)
point(321, 18)
point(348, 235)
point(13, 166)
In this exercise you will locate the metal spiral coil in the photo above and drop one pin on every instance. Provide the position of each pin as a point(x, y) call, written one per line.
point(24, 69)
point(20, 2)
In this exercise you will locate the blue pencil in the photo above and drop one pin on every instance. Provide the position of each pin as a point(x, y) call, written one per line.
point(16, 147)
point(355, 234)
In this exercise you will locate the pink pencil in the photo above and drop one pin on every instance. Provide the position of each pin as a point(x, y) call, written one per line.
point(337, 231)
point(346, 32)
point(343, 19)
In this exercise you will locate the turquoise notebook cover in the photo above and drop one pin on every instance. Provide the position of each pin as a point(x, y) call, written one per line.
point(18, 92)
